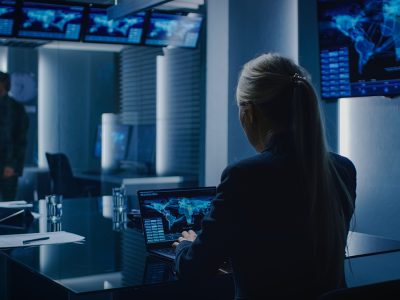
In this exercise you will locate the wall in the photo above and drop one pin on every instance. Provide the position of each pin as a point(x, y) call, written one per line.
point(75, 87)
point(217, 75)
point(370, 137)
point(253, 29)
point(3, 58)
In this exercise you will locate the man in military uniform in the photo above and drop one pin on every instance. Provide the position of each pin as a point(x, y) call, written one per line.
point(13, 140)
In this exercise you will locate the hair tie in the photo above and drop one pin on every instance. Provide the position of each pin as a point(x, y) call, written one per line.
point(296, 78)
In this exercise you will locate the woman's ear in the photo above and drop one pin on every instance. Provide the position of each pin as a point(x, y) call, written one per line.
point(248, 114)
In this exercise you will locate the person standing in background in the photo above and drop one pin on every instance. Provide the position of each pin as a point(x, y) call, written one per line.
point(13, 140)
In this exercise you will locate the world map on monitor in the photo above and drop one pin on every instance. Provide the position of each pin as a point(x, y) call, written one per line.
point(178, 213)
point(42, 20)
point(126, 30)
point(360, 47)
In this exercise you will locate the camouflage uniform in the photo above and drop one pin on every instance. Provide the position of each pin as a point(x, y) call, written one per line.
point(13, 141)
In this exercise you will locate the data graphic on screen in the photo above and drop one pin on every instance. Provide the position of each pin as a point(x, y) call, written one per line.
point(173, 30)
point(49, 21)
point(165, 215)
point(7, 17)
point(359, 47)
point(127, 30)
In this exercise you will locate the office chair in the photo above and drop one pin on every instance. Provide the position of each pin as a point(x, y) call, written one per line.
point(63, 180)
point(382, 290)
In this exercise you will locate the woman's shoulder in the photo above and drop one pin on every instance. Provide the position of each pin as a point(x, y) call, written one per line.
point(250, 165)
point(343, 162)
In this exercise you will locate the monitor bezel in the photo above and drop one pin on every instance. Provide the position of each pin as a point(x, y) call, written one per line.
point(19, 18)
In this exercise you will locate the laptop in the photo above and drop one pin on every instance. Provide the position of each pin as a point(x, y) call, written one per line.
point(167, 212)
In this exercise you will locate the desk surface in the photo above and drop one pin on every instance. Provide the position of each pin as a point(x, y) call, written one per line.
point(112, 259)
point(108, 259)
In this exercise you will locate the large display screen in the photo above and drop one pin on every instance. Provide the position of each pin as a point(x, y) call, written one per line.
point(7, 17)
point(127, 30)
point(50, 21)
point(359, 47)
point(173, 30)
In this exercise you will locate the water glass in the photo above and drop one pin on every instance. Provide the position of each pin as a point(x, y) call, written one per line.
point(119, 220)
point(120, 206)
point(54, 207)
point(119, 199)
point(54, 226)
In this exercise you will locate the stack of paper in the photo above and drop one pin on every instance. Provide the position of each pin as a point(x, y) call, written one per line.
point(15, 204)
point(35, 239)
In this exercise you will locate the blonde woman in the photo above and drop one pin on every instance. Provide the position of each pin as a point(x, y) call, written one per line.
point(282, 216)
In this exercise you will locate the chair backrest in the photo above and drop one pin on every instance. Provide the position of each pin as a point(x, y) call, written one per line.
point(382, 290)
point(61, 174)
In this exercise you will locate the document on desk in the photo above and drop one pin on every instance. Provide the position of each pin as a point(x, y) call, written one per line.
point(15, 204)
point(36, 239)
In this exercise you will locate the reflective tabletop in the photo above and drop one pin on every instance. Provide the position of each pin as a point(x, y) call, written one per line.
point(112, 256)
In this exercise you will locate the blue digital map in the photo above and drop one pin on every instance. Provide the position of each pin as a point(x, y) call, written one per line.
point(50, 19)
point(171, 28)
point(181, 210)
point(175, 30)
point(101, 23)
point(373, 29)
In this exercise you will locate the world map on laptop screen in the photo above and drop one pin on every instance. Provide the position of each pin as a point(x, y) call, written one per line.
point(167, 213)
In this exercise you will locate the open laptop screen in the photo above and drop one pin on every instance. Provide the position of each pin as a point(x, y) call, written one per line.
point(166, 213)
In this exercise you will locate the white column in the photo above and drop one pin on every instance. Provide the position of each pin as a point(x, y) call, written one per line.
point(216, 150)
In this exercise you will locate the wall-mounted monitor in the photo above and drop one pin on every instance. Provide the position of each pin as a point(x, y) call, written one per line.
point(359, 47)
point(100, 29)
point(7, 17)
point(168, 29)
point(50, 21)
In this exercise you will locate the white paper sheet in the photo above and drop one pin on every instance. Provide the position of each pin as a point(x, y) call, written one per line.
point(58, 237)
point(15, 204)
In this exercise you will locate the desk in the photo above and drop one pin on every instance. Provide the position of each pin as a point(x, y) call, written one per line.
point(110, 262)
point(361, 244)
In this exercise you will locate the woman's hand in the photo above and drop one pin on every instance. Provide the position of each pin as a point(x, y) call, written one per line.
point(186, 236)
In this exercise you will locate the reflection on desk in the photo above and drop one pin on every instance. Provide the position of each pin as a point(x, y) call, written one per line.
point(109, 259)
